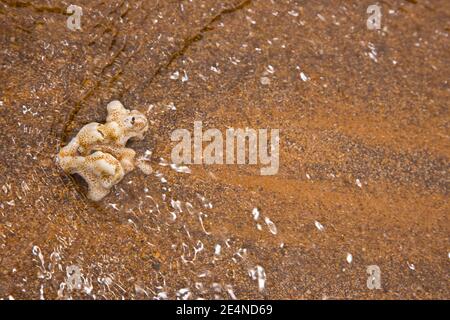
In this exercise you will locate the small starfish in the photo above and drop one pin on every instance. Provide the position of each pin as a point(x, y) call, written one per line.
point(98, 152)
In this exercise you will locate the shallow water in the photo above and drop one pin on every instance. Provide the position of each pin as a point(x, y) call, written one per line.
point(364, 150)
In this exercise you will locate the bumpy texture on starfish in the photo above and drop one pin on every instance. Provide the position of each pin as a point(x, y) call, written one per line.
point(98, 153)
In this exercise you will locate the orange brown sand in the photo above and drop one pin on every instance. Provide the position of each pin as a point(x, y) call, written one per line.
point(374, 107)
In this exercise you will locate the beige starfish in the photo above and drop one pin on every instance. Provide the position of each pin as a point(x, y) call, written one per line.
point(98, 153)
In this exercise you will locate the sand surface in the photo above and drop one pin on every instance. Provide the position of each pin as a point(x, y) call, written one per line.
point(364, 149)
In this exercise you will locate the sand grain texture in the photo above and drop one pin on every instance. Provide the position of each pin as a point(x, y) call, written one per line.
point(374, 107)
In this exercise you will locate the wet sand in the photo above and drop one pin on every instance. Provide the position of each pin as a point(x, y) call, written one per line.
point(364, 149)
